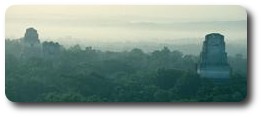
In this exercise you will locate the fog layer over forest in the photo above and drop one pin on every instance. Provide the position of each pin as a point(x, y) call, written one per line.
point(77, 74)
point(121, 53)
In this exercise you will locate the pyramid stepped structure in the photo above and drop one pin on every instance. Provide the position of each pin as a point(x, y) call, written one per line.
point(213, 58)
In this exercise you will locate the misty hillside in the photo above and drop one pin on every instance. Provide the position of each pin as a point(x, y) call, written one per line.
point(77, 74)
point(187, 46)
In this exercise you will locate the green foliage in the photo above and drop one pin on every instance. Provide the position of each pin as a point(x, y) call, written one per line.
point(88, 75)
point(167, 78)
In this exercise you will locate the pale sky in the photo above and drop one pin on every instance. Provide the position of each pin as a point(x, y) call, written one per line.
point(126, 23)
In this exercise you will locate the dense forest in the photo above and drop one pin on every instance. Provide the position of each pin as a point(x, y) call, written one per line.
point(78, 74)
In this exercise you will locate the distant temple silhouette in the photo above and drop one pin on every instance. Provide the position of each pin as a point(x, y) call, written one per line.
point(213, 58)
point(32, 47)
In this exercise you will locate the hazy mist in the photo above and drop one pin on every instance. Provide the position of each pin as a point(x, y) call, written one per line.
point(100, 26)
point(126, 54)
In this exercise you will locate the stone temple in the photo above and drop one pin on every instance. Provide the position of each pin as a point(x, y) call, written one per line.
point(213, 58)
point(31, 46)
